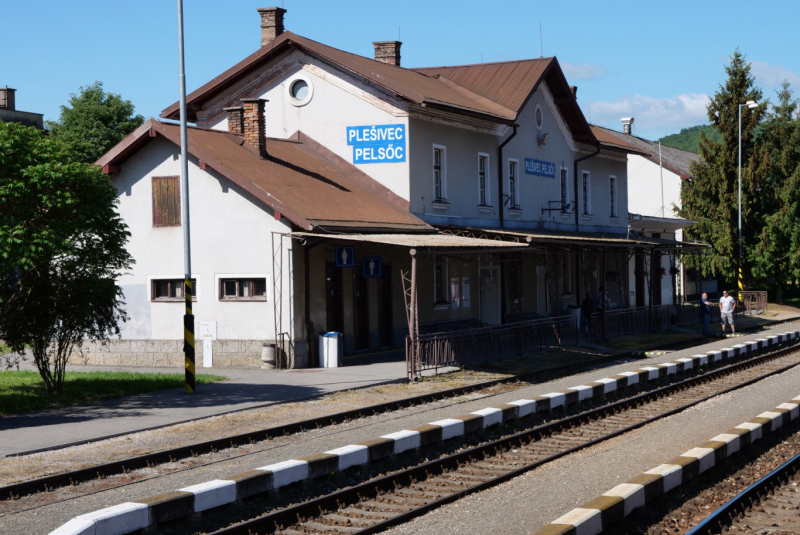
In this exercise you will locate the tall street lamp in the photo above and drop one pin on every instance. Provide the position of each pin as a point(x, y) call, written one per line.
point(750, 104)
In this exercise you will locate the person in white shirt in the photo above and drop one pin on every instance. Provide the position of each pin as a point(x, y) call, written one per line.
point(727, 305)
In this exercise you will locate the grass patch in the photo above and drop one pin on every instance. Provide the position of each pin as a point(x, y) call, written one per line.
point(4, 348)
point(23, 391)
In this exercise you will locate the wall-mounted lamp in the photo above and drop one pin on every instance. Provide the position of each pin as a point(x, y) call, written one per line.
point(543, 139)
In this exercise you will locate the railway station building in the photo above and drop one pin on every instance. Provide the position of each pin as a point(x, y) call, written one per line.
point(334, 192)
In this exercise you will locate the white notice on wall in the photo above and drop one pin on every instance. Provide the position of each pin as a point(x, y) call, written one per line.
point(455, 294)
point(465, 292)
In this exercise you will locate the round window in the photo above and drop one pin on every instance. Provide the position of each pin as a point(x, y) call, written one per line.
point(300, 89)
point(539, 117)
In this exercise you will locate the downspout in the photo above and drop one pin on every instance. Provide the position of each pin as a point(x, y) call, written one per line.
point(500, 173)
point(502, 209)
point(575, 181)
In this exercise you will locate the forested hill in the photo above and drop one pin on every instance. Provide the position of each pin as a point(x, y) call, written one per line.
point(689, 138)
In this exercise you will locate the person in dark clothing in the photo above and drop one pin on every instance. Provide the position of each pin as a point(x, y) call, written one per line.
point(587, 307)
point(705, 311)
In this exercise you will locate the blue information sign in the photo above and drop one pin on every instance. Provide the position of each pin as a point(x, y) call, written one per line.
point(384, 143)
point(540, 168)
point(371, 266)
point(345, 257)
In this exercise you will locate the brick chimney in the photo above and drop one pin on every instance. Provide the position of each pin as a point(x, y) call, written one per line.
point(253, 124)
point(387, 52)
point(627, 122)
point(271, 23)
point(235, 119)
point(7, 98)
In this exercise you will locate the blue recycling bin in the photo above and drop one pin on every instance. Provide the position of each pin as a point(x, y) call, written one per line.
point(331, 350)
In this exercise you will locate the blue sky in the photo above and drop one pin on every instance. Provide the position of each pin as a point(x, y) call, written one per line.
point(655, 61)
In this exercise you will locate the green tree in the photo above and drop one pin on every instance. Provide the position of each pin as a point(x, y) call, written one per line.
point(689, 138)
point(711, 198)
point(94, 122)
point(62, 245)
point(776, 254)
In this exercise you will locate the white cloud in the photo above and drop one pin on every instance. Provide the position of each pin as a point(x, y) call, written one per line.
point(583, 71)
point(773, 75)
point(650, 113)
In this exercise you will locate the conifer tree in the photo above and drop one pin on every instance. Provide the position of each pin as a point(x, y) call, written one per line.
point(776, 255)
point(711, 198)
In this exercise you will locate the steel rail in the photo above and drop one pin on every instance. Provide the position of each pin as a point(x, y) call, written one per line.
point(289, 516)
point(99, 471)
point(73, 477)
point(723, 516)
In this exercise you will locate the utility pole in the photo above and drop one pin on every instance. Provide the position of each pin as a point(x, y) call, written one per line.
point(188, 291)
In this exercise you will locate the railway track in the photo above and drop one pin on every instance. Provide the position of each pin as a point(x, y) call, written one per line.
point(771, 505)
point(375, 505)
point(191, 452)
point(103, 483)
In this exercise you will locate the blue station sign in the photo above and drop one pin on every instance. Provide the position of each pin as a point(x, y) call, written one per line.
point(384, 143)
point(540, 168)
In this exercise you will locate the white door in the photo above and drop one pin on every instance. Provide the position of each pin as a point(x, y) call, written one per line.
point(490, 295)
point(541, 290)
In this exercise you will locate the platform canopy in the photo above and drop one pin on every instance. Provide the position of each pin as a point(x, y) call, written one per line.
point(421, 242)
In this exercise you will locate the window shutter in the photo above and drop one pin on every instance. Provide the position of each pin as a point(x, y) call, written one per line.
point(166, 201)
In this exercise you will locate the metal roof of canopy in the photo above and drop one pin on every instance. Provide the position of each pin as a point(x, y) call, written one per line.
point(420, 241)
point(583, 238)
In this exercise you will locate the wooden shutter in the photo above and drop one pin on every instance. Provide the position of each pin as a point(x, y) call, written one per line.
point(166, 201)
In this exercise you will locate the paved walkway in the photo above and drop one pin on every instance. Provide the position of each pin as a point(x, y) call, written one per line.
point(244, 389)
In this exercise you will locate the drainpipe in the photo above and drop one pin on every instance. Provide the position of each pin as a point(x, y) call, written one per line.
point(500, 172)
point(502, 208)
point(575, 181)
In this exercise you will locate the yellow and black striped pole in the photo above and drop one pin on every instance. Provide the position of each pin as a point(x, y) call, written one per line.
point(741, 283)
point(188, 337)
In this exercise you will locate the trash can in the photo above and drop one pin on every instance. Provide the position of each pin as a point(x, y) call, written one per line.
point(330, 350)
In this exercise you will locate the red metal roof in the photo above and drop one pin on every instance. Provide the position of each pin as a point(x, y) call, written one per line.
point(302, 180)
point(407, 83)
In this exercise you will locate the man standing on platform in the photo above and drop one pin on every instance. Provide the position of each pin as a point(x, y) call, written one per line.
point(727, 305)
point(705, 312)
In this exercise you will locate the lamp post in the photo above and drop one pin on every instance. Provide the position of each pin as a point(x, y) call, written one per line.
point(750, 104)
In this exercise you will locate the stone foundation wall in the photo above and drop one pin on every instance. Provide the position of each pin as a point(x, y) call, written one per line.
point(169, 353)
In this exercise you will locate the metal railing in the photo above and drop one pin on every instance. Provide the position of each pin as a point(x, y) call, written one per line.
point(641, 320)
point(754, 302)
point(483, 345)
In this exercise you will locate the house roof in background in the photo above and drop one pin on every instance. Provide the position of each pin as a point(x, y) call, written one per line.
point(613, 142)
point(676, 160)
point(300, 179)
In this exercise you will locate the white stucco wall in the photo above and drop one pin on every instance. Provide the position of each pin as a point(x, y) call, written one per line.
point(338, 101)
point(230, 235)
point(644, 188)
point(462, 149)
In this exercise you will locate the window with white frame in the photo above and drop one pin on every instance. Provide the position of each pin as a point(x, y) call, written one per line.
point(564, 190)
point(513, 184)
point(612, 193)
point(243, 289)
point(439, 174)
point(440, 293)
point(586, 193)
point(483, 180)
